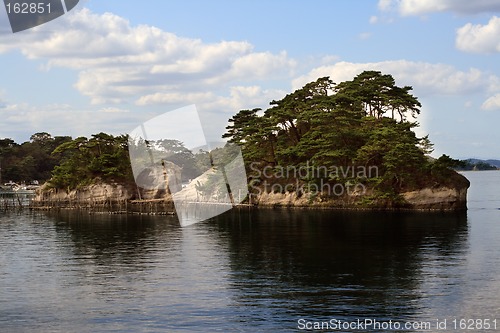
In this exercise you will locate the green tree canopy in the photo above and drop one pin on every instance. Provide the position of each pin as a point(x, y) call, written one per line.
point(31, 160)
point(84, 160)
point(367, 121)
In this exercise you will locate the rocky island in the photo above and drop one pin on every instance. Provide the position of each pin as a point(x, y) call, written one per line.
point(349, 145)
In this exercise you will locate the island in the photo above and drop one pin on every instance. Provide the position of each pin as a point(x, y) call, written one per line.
point(347, 145)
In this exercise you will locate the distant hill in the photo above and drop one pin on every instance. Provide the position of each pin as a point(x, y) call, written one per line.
point(493, 162)
point(477, 164)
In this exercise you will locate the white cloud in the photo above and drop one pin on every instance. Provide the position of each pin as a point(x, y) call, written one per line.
point(480, 38)
point(118, 62)
point(426, 78)
point(239, 97)
point(247, 97)
point(327, 60)
point(114, 110)
point(421, 7)
point(260, 65)
point(143, 67)
point(20, 120)
point(386, 5)
point(175, 98)
point(215, 114)
point(215, 109)
point(492, 103)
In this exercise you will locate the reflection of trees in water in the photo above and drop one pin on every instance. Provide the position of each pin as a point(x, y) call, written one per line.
point(338, 263)
point(119, 242)
point(113, 259)
point(287, 263)
point(126, 271)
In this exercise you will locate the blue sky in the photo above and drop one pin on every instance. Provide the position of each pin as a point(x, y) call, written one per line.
point(111, 65)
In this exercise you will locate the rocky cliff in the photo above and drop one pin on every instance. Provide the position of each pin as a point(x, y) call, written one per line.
point(451, 196)
point(106, 197)
point(153, 183)
point(441, 198)
point(91, 193)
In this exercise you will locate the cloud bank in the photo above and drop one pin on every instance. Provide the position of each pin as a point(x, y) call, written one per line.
point(118, 62)
point(426, 78)
point(422, 7)
point(478, 38)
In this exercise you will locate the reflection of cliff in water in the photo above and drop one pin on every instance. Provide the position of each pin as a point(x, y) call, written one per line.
point(344, 264)
point(309, 263)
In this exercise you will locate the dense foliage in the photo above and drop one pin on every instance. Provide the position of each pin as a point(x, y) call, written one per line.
point(66, 162)
point(366, 122)
point(31, 160)
point(83, 160)
point(71, 163)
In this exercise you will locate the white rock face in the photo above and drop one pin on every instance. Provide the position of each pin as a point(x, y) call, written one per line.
point(442, 198)
point(92, 193)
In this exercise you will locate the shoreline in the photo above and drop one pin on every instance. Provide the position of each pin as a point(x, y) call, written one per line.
point(126, 198)
point(145, 208)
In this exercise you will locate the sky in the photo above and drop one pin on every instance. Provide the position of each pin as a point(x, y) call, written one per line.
point(110, 65)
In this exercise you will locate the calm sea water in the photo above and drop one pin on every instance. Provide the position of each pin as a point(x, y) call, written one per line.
point(252, 271)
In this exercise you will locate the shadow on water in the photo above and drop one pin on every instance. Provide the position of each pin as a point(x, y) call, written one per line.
point(115, 237)
point(266, 267)
point(137, 270)
point(321, 264)
point(248, 270)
